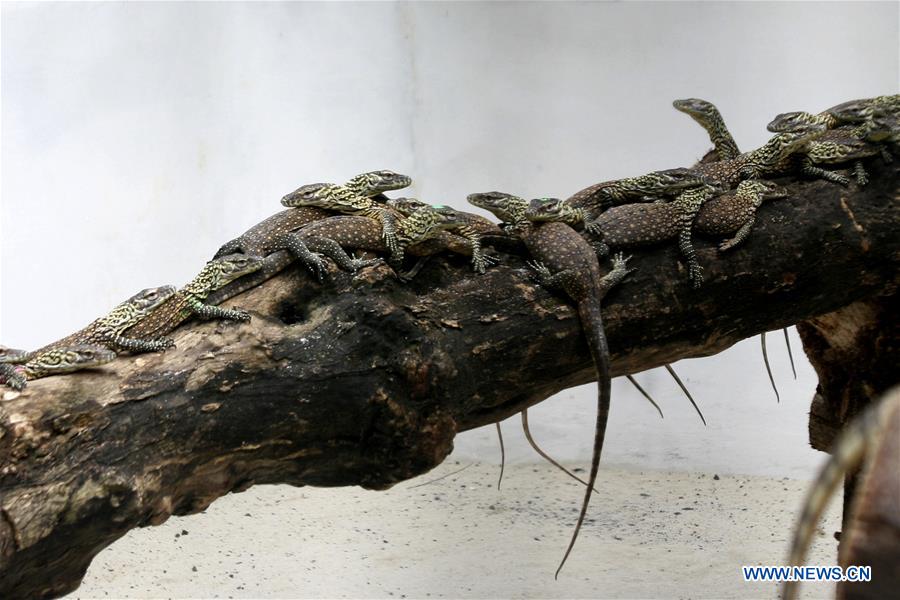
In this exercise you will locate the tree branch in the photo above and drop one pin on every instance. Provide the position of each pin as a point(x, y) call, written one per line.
point(364, 380)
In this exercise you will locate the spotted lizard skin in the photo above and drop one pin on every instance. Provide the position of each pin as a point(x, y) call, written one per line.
point(95, 344)
point(188, 300)
point(272, 234)
point(735, 213)
point(597, 198)
point(422, 236)
point(564, 260)
point(333, 236)
point(837, 145)
point(769, 159)
point(708, 116)
point(355, 198)
point(853, 127)
point(473, 228)
point(57, 361)
point(885, 129)
point(858, 113)
point(641, 224)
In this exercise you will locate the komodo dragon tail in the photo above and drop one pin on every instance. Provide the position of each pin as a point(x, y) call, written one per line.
point(592, 323)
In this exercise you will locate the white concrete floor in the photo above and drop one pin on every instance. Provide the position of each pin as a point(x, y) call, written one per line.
point(649, 534)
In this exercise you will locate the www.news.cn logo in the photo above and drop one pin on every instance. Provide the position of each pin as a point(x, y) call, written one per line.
point(808, 573)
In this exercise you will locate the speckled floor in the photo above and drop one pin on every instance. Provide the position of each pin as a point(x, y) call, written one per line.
point(648, 534)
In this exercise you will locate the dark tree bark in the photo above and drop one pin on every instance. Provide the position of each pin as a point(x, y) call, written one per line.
point(364, 380)
point(855, 353)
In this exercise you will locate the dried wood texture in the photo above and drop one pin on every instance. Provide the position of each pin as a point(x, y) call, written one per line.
point(364, 380)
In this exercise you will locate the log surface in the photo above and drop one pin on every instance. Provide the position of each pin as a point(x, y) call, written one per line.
point(364, 380)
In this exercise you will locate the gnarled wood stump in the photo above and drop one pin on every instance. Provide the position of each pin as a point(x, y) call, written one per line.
point(364, 380)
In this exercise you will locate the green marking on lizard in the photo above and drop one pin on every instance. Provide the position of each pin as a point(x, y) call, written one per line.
point(98, 341)
point(565, 260)
point(472, 228)
point(790, 121)
point(721, 176)
point(697, 185)
point(708, 116)
point(742, 207)
point(835, 147)
point(862, 110)
point(634, 225)
point(275, 233)
point(688, 204)
point(735, 213)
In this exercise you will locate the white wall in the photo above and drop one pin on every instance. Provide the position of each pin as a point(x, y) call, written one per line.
point(137, 137)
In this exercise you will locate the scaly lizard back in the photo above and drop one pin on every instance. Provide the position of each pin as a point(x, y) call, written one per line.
point(189, 299)
point(93, 345)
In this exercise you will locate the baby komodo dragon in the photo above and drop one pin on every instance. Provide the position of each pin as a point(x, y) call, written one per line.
point(55, 361)
point(189, 300)
point(472, 229)
point(708, 116)
point(91, 346)
point(355, 198)
point(335, 235)
point(275, 232)
point(565, 260)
